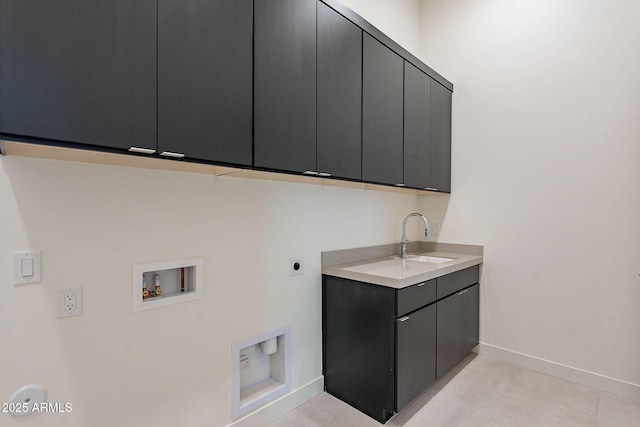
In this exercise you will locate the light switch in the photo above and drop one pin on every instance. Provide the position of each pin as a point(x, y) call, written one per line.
point(26, 267)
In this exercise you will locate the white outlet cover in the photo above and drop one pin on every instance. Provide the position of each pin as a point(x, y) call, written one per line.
point(73, 295)
point(293, 262)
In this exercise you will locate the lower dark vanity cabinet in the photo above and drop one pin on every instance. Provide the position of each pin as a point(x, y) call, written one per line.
point(383, 346)
point(378, 344)
point(205, 54)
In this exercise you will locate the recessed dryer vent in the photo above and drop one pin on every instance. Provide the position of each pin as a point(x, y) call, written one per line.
point(261, 370)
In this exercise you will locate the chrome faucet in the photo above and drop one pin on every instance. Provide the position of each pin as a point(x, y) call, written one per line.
point(404, 240)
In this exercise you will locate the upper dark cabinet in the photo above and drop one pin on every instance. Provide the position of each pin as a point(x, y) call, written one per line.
point(205, 79)
point(440, 154)
point(417, 137)
point(382, 118)
point(79, 71)
point(339, 143)
point(301, 86)
point(285, 84)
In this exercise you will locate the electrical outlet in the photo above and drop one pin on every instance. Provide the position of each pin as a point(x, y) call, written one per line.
point(296, 266)
point(69, 302)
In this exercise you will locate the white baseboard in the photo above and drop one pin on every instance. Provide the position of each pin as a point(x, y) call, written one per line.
point(590, 379)
point(274, 410)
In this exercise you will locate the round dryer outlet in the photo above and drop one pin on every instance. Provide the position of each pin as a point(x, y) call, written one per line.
point(25, 398)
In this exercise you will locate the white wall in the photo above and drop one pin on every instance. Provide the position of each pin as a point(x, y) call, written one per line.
point(546, 172)
point(545, 175)
point(398, 19)
point(171, 366)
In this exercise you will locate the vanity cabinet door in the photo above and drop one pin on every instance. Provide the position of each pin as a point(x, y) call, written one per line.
point(469, 319)
point(79, 71)
point(416, 354)
point(458, 327)
point(448, 334)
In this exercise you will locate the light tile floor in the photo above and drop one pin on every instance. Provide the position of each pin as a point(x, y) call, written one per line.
point(481, 392)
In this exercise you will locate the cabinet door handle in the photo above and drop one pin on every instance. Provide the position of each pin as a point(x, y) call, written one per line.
point(172, 154)
point(463, 292)
point(142, 150)
point(404, 319)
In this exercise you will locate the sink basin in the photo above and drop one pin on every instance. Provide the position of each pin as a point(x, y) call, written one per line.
point(430, 259)
point(396, 268)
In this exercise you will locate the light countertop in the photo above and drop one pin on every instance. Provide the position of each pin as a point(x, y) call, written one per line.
point(381, 265)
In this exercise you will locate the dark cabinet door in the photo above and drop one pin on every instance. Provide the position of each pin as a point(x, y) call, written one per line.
point(458, 327)
point(339, 144)
point(469, 319)
point(79, 71)
point(448, 334)
point(440, 155)
point(285, 84)
point(382, 119)
point(417, 111)
point(205, 79)
point(416, 354)
point(359, 345)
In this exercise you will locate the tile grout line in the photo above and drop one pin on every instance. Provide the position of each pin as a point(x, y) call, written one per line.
point(595, 419)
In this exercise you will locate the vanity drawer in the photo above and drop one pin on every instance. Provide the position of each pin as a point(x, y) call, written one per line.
point(454, 282)
point(415, 296)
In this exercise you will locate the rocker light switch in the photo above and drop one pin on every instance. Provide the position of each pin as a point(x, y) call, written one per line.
point(26, 267)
